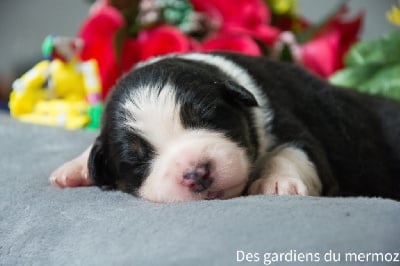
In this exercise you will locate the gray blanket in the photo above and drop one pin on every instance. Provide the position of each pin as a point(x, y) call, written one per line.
point(44, 225)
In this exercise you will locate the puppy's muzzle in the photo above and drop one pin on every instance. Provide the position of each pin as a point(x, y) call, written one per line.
point(199, 178)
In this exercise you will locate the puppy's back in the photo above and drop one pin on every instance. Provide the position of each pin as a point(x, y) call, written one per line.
point(359, 134)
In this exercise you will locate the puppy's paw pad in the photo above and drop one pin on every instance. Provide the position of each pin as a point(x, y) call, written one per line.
point(278, 186)
point(71, 174)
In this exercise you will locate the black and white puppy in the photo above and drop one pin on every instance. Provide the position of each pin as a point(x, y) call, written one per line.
point(204, 126)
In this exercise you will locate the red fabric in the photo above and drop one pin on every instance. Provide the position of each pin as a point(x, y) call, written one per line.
point(98, 32)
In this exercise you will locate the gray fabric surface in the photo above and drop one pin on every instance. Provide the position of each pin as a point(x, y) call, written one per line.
point(43, 225)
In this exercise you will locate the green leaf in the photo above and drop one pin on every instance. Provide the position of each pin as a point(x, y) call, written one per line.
point(354, 76)
point(385, 50)
point(386, 82)
point(372, 79)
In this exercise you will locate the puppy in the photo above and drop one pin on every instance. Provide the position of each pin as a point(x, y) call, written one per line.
point(216, 126)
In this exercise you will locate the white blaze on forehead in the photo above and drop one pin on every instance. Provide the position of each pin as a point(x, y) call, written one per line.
point(155, 114)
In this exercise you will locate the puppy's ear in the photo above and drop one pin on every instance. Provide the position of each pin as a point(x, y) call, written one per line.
point(99, 166)
point(236, 92)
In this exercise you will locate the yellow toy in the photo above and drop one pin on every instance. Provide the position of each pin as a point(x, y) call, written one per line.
point(59, 90)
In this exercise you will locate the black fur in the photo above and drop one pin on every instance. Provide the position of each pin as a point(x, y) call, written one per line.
point(353, 139)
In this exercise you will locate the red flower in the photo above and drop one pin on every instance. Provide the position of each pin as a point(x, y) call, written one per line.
point(162, 40)
point(349, 30)
point(324, 53)
point(321, 54)
point(232, 42)
point(99, 35)
point(236, 25)
point(247, 17)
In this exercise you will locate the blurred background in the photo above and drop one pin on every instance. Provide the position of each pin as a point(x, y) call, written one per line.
point(24, 25)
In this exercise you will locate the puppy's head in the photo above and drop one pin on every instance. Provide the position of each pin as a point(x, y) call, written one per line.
point(176, 130)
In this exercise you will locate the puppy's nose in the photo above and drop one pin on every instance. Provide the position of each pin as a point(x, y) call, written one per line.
point(198, 179)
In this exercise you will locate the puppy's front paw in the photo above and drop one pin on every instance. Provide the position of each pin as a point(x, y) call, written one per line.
point(71, 174)
point(280, 185)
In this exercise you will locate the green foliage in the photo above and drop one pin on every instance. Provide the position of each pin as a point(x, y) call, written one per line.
point(373, 66)
point(177, 12)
